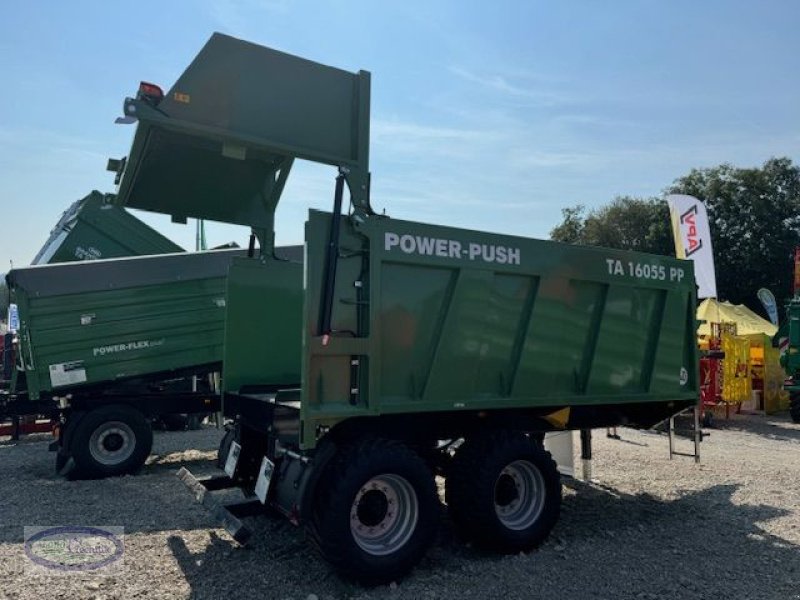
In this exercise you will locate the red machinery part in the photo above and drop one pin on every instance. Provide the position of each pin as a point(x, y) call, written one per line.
point(39, 426)
point(711, 382)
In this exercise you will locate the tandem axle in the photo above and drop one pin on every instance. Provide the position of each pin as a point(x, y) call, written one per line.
point(356, 492)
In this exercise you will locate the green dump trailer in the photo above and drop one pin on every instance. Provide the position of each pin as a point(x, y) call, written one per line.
point(426, 349)
point(106, 345)
point(94, 227)
point(788, 340)
point(91, 228)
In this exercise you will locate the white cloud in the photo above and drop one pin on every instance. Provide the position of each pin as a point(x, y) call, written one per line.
point(403, 141)
point(410, 131)
point(501, 84)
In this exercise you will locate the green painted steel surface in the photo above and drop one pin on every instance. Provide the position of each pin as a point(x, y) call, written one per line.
point(790, 330)
point(424, 318)
point(94, 227)
point(263, 330)
point(102, 321)
point(232, 124)
point(451, 319)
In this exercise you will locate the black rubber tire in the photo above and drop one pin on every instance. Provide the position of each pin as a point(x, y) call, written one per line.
point(175, 421)
point(794, 407)
point(329, 529)
point(471, 487)
point(225, 445)
point(61, 463)
point(86, 466)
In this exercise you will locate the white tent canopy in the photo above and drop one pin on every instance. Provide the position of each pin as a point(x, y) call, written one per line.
point(747, 322)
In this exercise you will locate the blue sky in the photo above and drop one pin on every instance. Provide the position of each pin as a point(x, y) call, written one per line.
point(484, 115)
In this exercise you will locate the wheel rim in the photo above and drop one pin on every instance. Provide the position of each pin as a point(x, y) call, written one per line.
point(112, 443)
point(519, 494)
point(384, 514)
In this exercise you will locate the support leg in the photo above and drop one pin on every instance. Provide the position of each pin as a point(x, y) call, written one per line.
point(670, 435)
point(697, 433)
point(586, 453)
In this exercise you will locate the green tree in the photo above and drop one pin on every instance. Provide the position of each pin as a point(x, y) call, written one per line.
point(3, 297)
point(571, 228)
point(627, 223)
point(754, 216)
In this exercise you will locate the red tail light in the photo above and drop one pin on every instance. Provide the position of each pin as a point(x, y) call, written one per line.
point(151, 92)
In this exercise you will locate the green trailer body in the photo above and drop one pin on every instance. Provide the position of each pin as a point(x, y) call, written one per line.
point(787, 339)
point(94, 227)
point(221, 142)
point(457, 320)
point(536, 324)
point(788, 335)
point(263, 323)
point(90, 325)
point(106, 345)
point(419, 341)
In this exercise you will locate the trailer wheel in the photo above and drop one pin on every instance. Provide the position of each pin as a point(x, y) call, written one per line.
point(111, 440)
point(794, 407)
point(504, 491)
point(377, 511)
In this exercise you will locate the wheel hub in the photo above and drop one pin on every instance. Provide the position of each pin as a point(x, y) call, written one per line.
point(384, 514)
point(519, 495)
point(506, 491)
point(373, 508)
point(112, 443)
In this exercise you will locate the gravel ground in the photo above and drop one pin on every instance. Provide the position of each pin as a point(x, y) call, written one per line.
point(647, 528)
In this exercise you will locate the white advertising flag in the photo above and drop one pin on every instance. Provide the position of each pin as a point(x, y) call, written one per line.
point(13, 318)
point(693, 240)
